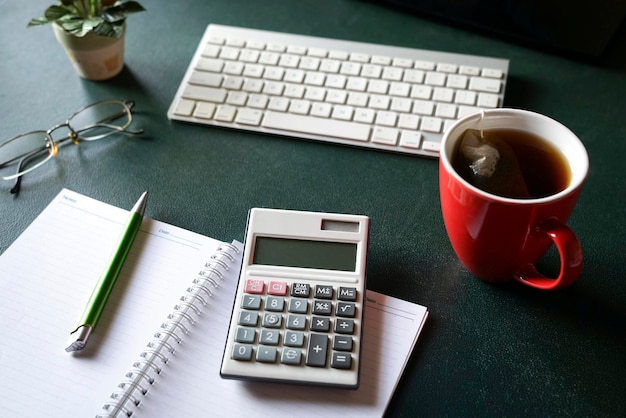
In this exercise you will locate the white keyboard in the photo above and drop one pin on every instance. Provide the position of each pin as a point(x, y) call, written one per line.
point(375, 96)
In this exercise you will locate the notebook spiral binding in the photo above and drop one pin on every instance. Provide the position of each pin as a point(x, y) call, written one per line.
point(145, 370)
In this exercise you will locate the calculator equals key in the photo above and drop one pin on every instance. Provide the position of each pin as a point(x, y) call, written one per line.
point(298, 312)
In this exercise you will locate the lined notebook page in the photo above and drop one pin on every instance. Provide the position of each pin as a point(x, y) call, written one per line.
point(46, 277)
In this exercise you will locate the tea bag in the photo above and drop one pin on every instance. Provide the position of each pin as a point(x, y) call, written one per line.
point(491, 164)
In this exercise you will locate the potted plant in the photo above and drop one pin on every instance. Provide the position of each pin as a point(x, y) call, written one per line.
point(92, 33)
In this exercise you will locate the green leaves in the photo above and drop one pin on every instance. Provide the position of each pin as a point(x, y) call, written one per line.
point(108, 23)
point(119, 12)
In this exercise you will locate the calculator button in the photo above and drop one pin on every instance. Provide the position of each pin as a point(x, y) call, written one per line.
point(272, 320)
point(274, 304)
point(341, 361)
point(251, 302)
point(320, 324)
point(242, 352)
point(248, 319)
point(344, 326)
point(269, 337)
point(277, 288)
point(245, 335)
point(323, 292)
point(298, 306)
point(300, 290)
point(321, 307)
point(342, 343)
point(266, 354)
point(254, 286)
point(347, 293)
point(316, 351)
point(294, 339)
point(291, 356)
point(347, 310)
point(296, 322)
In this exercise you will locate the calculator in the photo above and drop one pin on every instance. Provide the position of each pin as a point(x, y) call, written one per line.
point(298, 310)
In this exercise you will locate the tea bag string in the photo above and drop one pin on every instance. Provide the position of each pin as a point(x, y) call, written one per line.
point(480, 123)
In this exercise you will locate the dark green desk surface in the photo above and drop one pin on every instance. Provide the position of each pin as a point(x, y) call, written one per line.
point(486, 350)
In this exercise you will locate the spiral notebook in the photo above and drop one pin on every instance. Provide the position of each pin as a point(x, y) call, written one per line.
point(158, 345)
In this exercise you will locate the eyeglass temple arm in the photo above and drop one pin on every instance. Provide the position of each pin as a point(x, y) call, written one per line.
point(23, 162)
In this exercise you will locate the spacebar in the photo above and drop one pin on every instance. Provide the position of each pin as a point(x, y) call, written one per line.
point(316, 126)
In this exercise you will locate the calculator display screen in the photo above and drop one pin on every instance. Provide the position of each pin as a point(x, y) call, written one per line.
point(305, 253)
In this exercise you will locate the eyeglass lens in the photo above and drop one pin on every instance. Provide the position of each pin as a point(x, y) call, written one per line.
point(100, 120)
point(36, 147)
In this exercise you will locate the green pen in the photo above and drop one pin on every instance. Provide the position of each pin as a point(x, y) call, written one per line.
point(103, 288)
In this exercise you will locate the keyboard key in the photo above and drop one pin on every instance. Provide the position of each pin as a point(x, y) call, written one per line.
point(225, 113)
point(184, 107)
point(206, 79)
point(249, 117)
point(317, 126)
point(210, 64)
point(208, 94)
point(492, 73)
point(488, 85)
point(385, 136)
point(487, 100)
point(407, 121)
point(204, 110)
point(410, 139)
point(430, 124)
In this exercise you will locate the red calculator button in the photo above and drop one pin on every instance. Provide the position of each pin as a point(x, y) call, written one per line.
point(277, 288)
point(254, 286)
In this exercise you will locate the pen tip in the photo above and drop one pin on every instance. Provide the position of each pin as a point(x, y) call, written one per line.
point(140, 206)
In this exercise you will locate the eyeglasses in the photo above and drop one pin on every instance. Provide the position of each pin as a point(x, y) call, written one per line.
point(31, 150)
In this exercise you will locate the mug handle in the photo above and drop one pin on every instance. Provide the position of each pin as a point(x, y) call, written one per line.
point(570, 253)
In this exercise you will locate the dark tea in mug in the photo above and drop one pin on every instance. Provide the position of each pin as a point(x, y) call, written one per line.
point(510, 163)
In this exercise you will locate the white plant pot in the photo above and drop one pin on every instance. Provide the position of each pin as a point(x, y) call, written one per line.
point(94, 57)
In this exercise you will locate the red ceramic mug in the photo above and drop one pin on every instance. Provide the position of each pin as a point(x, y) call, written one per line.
point(499, 238)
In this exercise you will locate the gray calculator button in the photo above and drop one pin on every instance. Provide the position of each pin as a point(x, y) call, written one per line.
point(274, 304)
point(248, 319)
point(245, 335)
point(322, 307)
point(242, 352)
point(341, 361)
point(272, 320)
point(323, 292)
point(344, 326)
point(294, 339)
point(342, 343)
point(251, 302)
point(266, 354)
point(317, 350)
point(269, 337)
point(319, 323)
point(347, 293)
point(298, 305)
point(296, 322)
point(291, 356)
point(346, 309)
